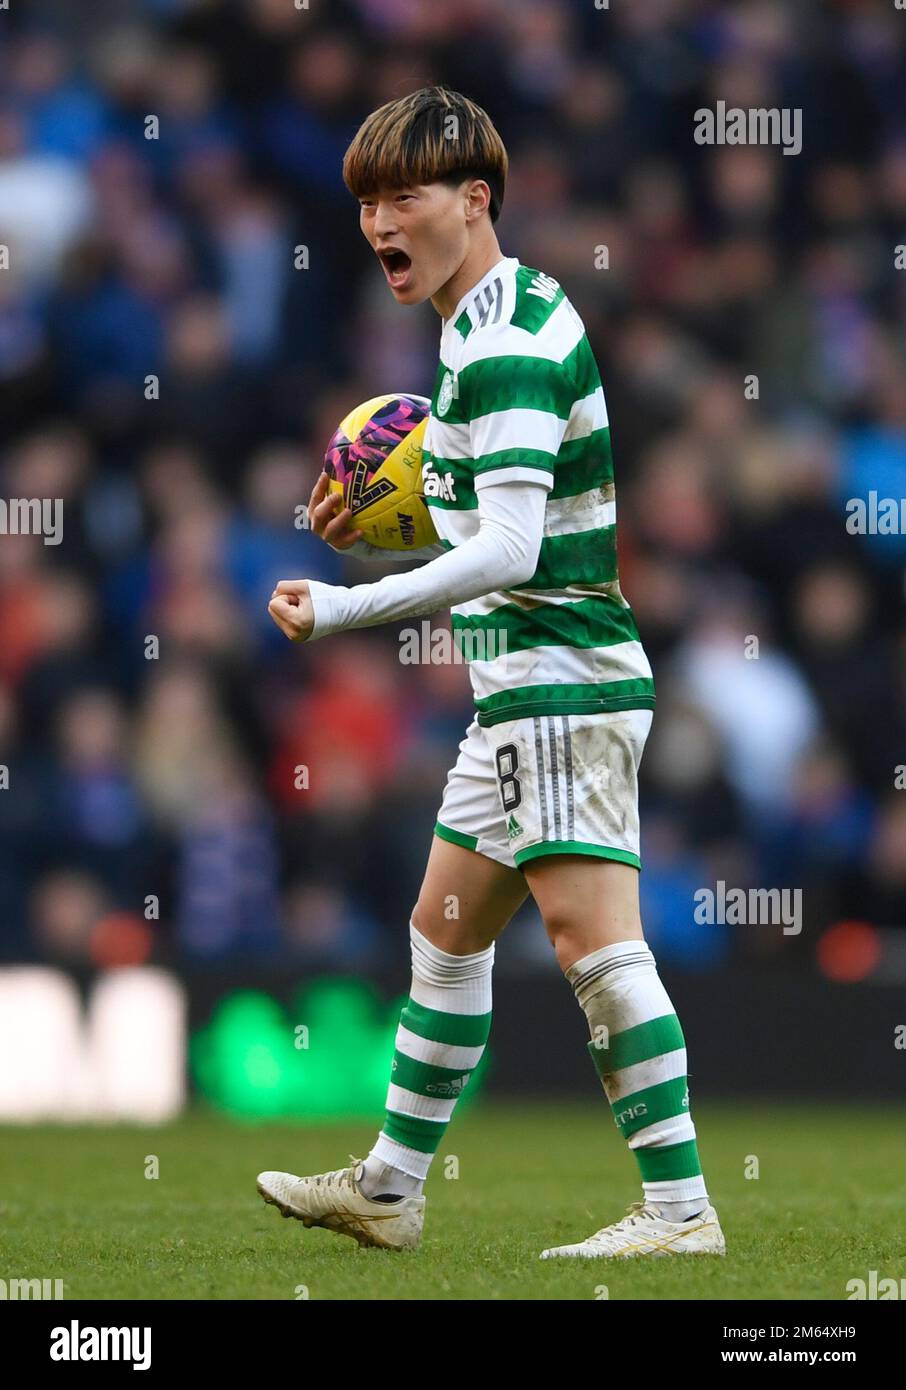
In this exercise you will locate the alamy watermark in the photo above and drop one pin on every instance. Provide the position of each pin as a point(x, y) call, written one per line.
point(82, 1343)
point(875, 1288)
point(427, 646)
point(754, 907)
point(876, 516)
point(22, 1290)
point(32, 516)
point(759, 125)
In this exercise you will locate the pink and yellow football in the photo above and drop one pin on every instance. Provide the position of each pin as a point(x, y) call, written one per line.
point(375, 460)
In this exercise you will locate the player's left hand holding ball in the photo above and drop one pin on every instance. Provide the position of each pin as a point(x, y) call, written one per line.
point(291, 609)
point(329, 517)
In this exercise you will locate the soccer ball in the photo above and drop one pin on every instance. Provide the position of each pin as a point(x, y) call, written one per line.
point(375, 460)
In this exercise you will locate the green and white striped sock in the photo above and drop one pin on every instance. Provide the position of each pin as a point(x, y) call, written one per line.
point(639, 1052)
point(442, 1033)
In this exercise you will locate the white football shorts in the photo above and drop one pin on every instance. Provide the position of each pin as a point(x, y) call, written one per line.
point(551, 784)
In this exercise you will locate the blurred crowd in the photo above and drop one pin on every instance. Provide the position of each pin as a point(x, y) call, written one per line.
point(187, 310)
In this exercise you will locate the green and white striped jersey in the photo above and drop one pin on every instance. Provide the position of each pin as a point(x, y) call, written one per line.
point(518, 396)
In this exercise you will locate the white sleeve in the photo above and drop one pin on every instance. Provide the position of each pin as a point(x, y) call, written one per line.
point(501, 555)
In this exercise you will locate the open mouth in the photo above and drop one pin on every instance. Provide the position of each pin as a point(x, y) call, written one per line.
point(397, 266)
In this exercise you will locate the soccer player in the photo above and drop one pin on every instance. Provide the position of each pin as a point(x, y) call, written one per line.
point(543, 798)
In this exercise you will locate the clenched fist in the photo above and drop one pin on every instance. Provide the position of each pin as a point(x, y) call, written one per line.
point(291, 609)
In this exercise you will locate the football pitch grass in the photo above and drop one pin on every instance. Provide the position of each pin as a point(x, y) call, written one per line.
point(828, 1205)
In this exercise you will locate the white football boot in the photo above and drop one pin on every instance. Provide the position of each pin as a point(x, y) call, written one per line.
point(333, 1200)
point(644, 1232)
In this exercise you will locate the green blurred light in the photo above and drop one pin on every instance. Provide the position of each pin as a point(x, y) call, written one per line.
point(245, 1060)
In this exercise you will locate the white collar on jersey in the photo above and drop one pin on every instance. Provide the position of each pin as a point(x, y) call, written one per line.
point(504, 266)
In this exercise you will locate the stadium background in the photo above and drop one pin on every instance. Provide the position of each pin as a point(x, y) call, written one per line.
point(169, 773)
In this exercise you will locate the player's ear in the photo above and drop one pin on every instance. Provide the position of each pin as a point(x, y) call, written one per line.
point(478, 198)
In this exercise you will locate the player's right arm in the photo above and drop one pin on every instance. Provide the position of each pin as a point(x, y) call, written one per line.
point(501, 554)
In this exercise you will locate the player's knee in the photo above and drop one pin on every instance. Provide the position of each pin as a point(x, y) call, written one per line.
point(459, 938)
point(430, 923)
point(418, 918)
point(560, 924)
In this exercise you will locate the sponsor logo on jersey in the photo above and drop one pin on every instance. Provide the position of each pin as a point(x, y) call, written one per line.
point(513, 828)
point(436, 484)
point(544, 287)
